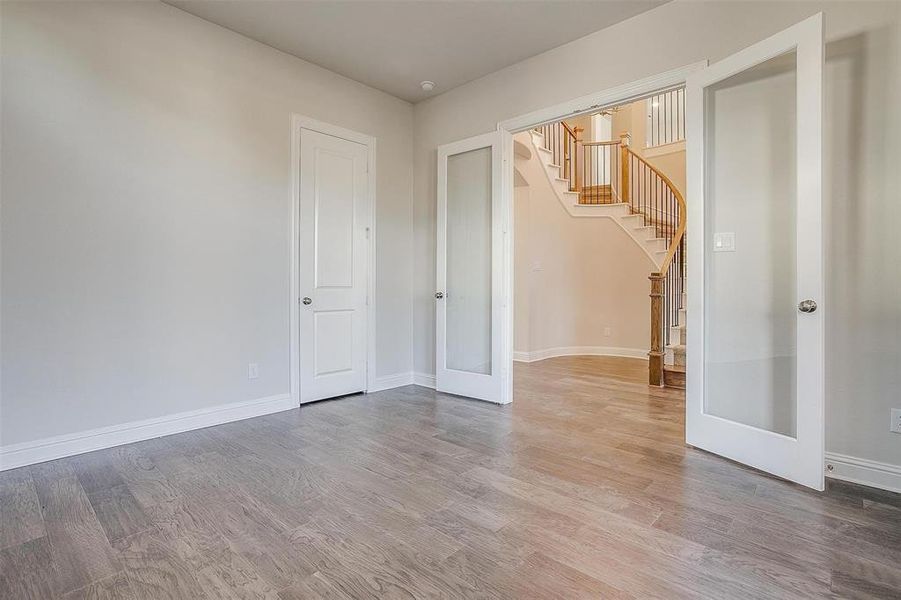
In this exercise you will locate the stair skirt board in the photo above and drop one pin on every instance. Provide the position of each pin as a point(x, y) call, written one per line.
point(578, 209)
point(536, 355)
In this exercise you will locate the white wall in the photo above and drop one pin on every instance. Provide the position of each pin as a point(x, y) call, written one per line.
point(575, 277)
point(146, 202)
point(863, 133)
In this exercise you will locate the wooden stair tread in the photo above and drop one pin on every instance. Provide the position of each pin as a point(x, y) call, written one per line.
point(674, 368)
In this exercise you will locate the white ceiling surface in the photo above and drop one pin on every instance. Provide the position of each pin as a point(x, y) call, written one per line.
point(393, 45)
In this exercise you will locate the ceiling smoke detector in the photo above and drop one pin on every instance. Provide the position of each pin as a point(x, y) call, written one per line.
point(427, 86)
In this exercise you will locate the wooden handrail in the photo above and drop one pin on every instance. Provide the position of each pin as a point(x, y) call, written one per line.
point(613, 143)
point(683, 212)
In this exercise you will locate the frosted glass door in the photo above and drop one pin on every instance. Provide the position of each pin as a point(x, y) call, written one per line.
point(468, 248)
point(755, 353)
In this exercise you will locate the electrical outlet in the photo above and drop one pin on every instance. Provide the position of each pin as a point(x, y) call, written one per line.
point(896, 420)
point(607, 331)
point(253, 371)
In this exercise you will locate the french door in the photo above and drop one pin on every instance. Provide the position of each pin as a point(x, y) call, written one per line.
point(468, 297)
point(755, 271)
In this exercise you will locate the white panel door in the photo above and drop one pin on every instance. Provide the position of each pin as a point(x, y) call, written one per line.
point(755, 270)
point(468, 303)
point(333, 255)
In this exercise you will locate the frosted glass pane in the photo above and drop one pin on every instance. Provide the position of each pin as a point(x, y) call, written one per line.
point(468, 293)
point(751, 292)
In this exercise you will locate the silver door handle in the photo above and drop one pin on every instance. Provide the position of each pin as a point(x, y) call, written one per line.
point(439, 295)
point(307, 301)
point(807, 306)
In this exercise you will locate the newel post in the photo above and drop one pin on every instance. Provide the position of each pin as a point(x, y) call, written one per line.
point(624, 139)
point(655, 356)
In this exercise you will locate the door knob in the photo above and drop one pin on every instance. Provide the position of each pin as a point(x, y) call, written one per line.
point(307, 301)
point(439, 295)
point(807, 306)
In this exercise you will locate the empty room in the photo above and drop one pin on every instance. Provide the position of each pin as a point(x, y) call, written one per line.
point(450, 299)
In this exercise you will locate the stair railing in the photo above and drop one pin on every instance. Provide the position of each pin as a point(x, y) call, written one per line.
point(652, 194)
point(563, 143)
point(601, 173)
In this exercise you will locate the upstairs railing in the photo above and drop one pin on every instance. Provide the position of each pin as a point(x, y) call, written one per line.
point(601, 172)
point(610, 172)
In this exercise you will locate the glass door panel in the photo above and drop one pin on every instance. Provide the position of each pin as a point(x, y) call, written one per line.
point(468, 293)
point(751, 196)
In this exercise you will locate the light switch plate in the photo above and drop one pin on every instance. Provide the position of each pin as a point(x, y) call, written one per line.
point(724, 242)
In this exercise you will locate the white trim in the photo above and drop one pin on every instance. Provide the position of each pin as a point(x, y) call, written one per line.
point(536, 355)
point(29, 453)
point(614, 96)
point(424, 379)
point(664, 149)
point(875, 474)
point(390, 382)
point(299, 122)
point(621, 94)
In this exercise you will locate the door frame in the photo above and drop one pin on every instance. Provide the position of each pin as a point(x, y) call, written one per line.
point(613, 96)
point(299, 122)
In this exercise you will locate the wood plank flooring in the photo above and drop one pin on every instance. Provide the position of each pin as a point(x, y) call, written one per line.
point(582, 488)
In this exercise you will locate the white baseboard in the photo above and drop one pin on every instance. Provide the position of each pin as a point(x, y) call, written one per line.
point(390, 381)
point(29, 453)
point(424, 379)
point(580, 351)
point(865, 472)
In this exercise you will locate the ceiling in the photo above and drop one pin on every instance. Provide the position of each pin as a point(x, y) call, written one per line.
point(394, 45)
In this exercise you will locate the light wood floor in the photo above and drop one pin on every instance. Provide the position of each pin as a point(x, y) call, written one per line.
point(582, 488)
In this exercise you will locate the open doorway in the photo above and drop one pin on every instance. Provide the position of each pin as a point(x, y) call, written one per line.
point(599, 242)
point(720, 102)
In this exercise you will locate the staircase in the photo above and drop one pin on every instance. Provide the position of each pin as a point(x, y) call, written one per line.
point(583, 196)
point(608, 179)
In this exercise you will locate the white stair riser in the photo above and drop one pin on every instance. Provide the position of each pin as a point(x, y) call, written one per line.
point(656, 244)
point(679, 356)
